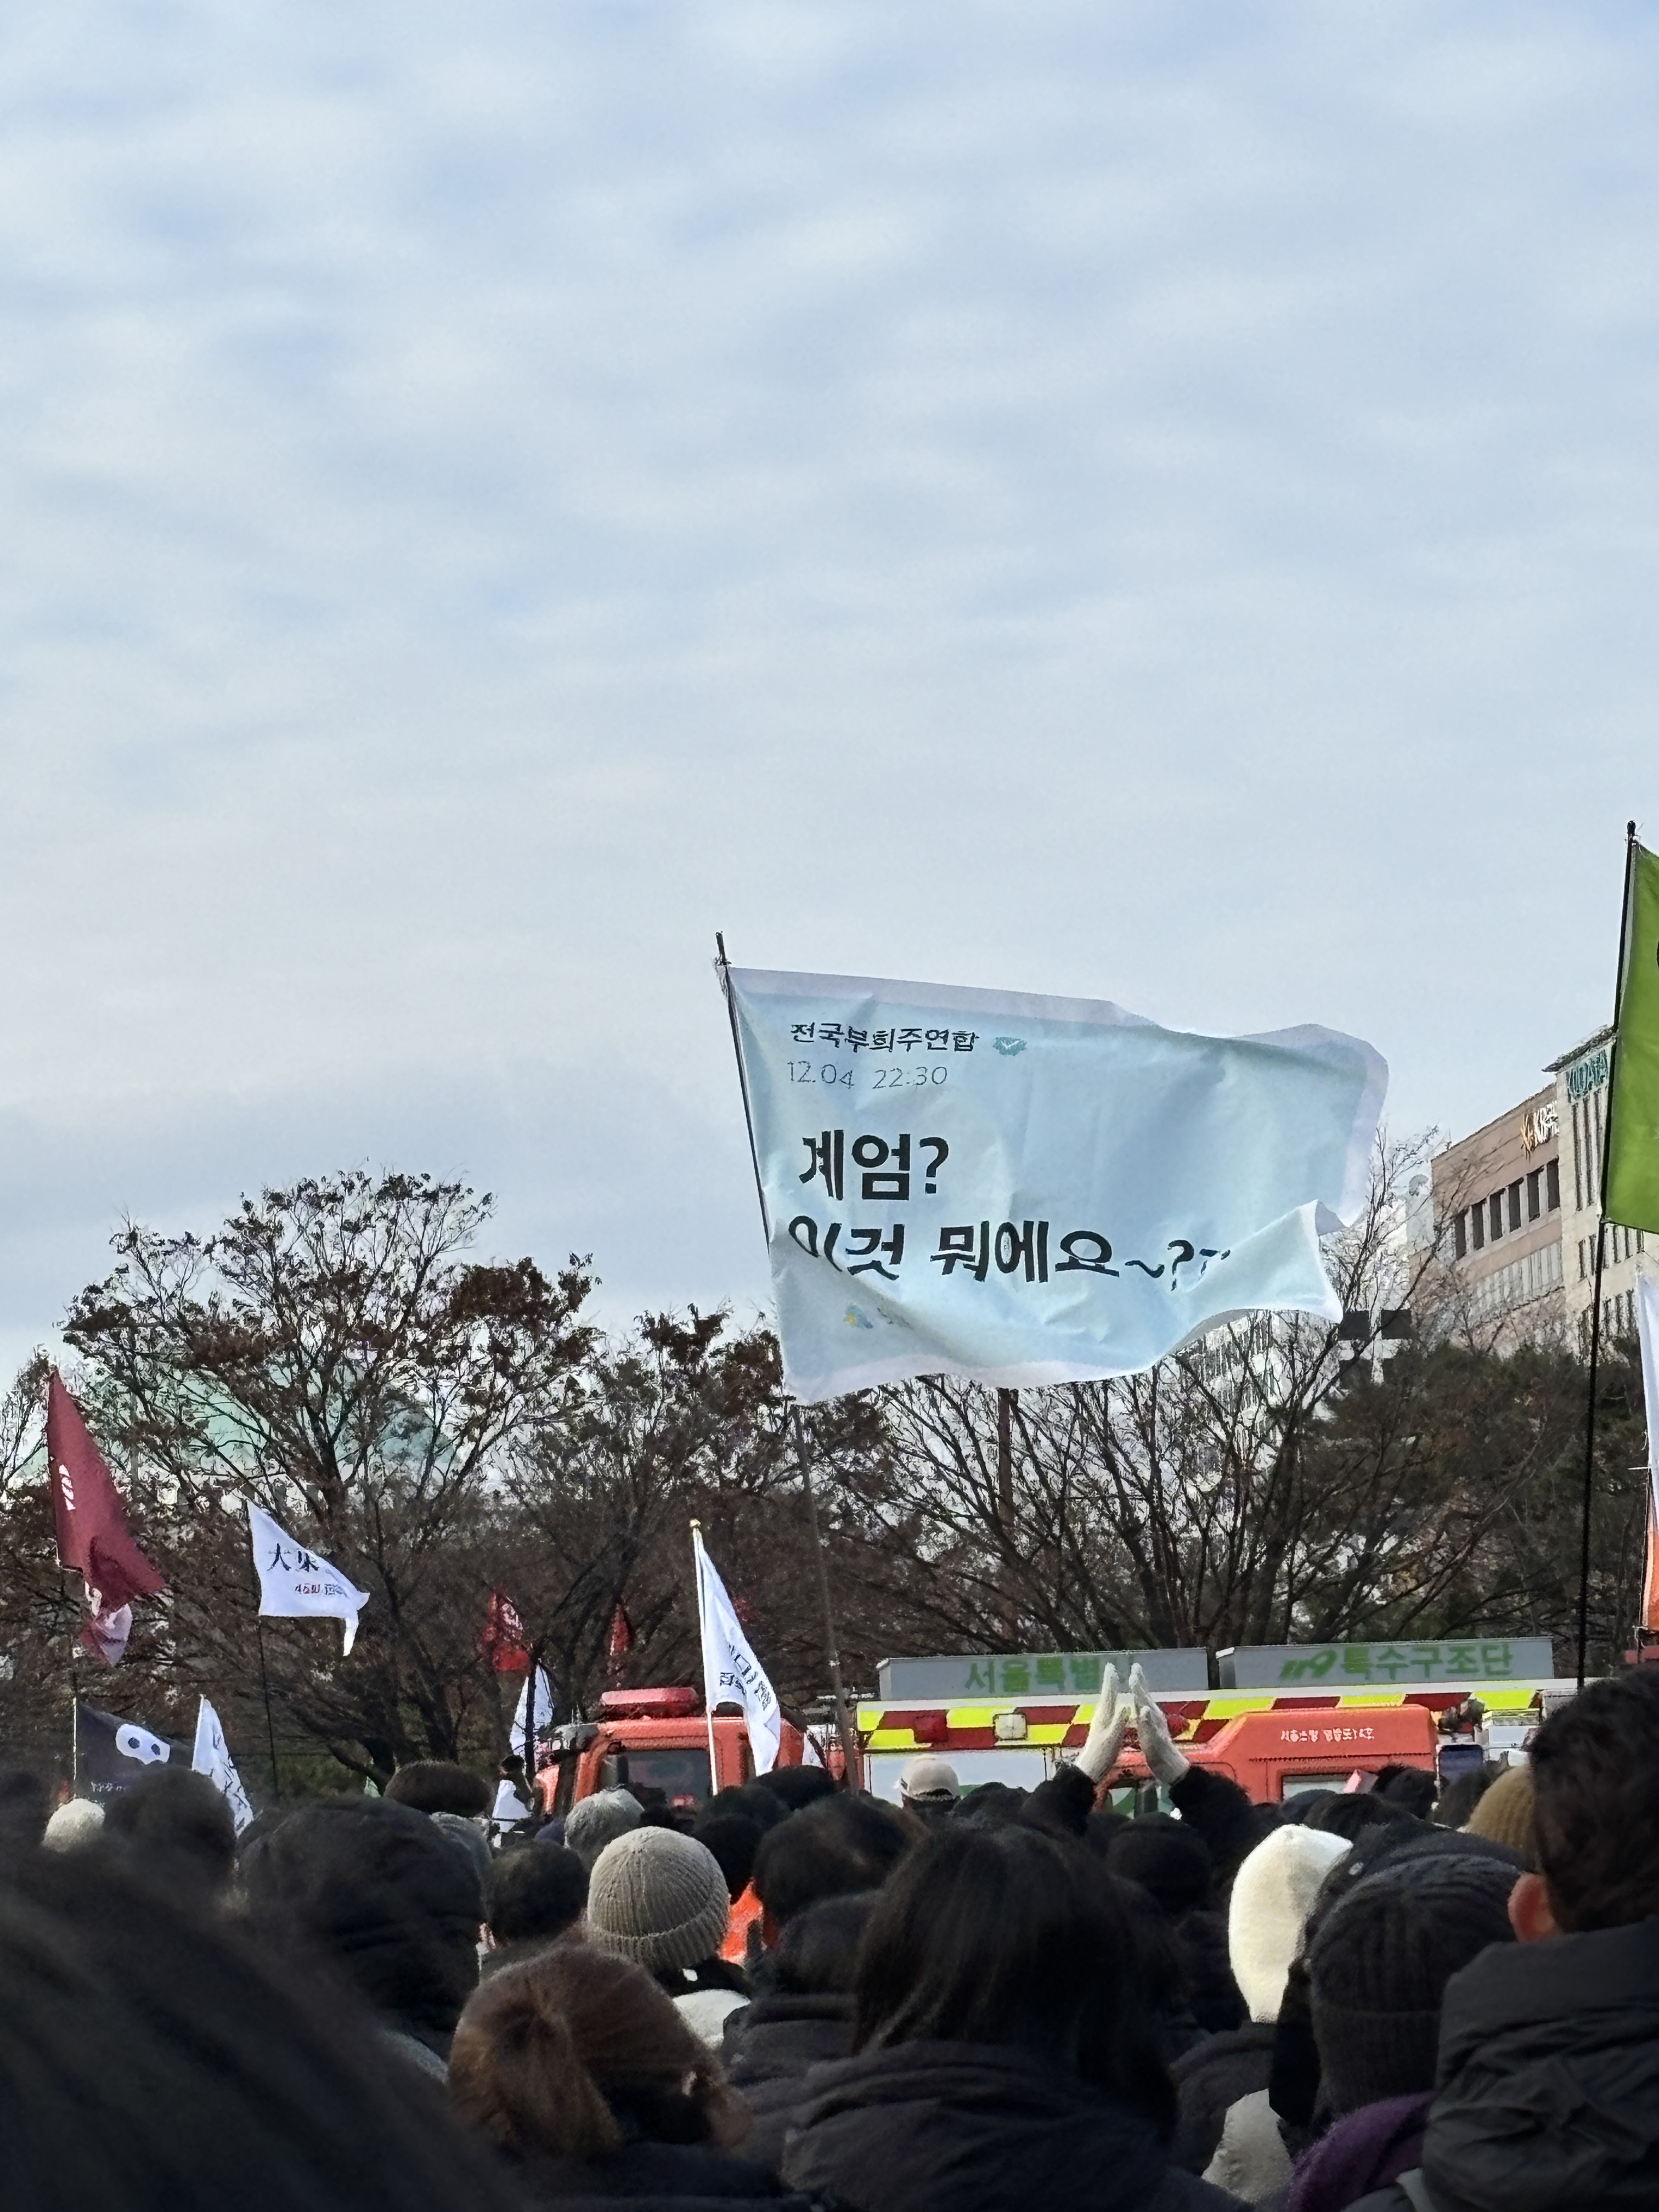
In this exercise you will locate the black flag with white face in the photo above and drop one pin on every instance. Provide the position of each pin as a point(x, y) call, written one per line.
point(109, 1753)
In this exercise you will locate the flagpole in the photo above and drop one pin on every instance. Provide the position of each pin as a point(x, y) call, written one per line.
point(1596, 1291)
point(530, 1715)
point(725, 967)
point(703, 1639)
point(843, 1728)
point(265, 1685)
point(832, 1648)
point(264, 1678)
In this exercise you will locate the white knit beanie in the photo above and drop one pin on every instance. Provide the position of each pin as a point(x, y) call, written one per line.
point(658, 1898)
point(1274, 1892)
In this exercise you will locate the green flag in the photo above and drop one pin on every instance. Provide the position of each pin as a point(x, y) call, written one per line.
point(1632, 1168)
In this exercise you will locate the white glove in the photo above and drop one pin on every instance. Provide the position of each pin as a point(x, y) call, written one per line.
point(1164, 1762)
point(1106, 1731)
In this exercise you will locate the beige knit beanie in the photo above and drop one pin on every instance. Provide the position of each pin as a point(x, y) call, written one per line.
point(658, 1898)
point(1274, 1892)
point(1504, 1813)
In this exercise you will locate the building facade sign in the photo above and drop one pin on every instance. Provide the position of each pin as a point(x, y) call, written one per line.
point(1588, 1074)
point(1354, 1666)
point(1538, 1124)
point(1036, 1674)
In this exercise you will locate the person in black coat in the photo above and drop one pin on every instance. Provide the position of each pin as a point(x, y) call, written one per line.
point(372, 1890)
point(802, 2016)
point(1548, 2074)
point(580, 2069)
point(999, 2054)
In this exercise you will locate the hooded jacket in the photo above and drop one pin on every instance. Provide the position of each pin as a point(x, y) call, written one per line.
point(1549, 2080)
point(964, 2127)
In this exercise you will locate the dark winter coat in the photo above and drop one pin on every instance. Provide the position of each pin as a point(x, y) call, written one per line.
point(767, 2049)
point(962, 2127)
point(1208, 2080)
point(1201, 1941)
point(644, 2172)
point(1549, 2080)
point(1365, 2150)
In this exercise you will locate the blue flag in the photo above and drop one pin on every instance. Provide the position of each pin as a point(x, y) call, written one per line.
point(1026, 1190)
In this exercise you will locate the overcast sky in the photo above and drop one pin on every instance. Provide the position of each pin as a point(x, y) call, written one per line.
point(1154, 501)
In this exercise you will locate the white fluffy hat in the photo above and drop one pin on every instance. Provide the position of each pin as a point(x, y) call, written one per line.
point(1274, 1892)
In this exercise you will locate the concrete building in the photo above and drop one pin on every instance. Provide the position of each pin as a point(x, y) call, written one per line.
point(1498, 1200)
point(1517, 1203)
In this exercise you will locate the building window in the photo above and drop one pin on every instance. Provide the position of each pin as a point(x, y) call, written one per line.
point(1478, 1226)
point(1515, 1207)
point(1461, 1237)
point(1553, 1185)
point(1534, 1194)
point(1495, 1210)
point(1581, 1269)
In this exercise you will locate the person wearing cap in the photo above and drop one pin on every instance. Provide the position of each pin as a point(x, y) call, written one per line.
point(659, 1899)
point(928, 1787)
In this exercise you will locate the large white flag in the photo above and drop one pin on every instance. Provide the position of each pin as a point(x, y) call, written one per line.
point(212, 1757)
point(730, 1673)
point(1029, 1190)
point(298, 1583)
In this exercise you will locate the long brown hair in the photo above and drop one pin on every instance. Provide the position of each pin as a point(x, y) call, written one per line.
point(545, 2050)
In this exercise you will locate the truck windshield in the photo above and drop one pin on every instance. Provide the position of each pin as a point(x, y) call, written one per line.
point(681, 1776)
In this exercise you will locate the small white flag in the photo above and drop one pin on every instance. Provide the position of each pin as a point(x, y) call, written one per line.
point(298, 1583)
point(212, 1757)
point(509, 1805)
point(107, 1633)
point(541, 1719)
point(730, 1673)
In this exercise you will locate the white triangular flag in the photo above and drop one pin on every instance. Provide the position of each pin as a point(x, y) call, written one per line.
point(730, 1673)
point(541, 1719)
point(298, 1583)
point(212, 1757)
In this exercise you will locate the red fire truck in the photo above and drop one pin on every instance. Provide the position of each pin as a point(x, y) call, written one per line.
point(1272, 1744)
point(656, 1740)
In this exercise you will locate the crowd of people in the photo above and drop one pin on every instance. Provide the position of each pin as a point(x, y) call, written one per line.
point(1370, 2001)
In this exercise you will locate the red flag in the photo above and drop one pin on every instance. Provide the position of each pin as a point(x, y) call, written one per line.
point(620, 1642)
point(92, 1529)
point(503, 1642)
